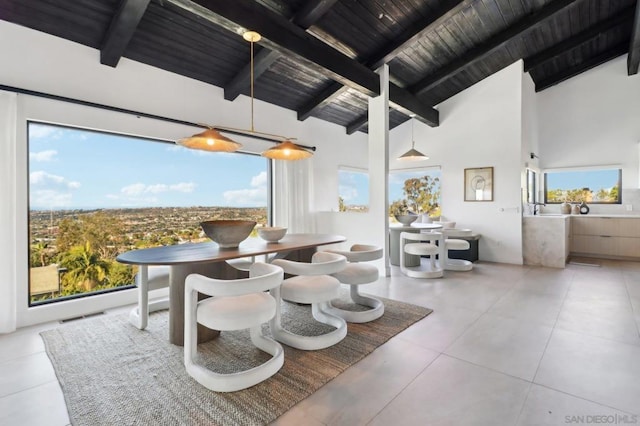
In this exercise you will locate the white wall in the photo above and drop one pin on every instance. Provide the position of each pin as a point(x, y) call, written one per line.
point(479, 127)
point(594, 119)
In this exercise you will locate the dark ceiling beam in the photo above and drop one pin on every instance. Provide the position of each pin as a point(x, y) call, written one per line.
point(121, 29)
point(310, 13)
point(412, 33)
point(595, 31)
point(287, 38)
point(485, 49)
point(633, 60)
point(357, 124)
point(593, 62)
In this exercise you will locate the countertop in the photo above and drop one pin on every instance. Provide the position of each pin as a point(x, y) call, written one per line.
point(557, 215)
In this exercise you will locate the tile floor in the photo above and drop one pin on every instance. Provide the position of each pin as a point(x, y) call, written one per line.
point(506, 345)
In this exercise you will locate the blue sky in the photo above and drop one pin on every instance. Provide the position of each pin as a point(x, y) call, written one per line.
point(592, 179)
point(354, 186)
point(77, 169)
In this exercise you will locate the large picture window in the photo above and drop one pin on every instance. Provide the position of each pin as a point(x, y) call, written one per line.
point(93, 195)
point(594, 186)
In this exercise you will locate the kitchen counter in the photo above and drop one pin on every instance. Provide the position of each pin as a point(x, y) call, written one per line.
point(545, 240)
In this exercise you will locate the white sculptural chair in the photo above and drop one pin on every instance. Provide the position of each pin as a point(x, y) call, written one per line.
point(356, 274)
point(235, 305)
point(149, 278)
point(452, 243)
point(421, 244)
point(313, 284)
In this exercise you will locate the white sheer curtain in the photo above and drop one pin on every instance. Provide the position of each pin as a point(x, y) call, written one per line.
point(293, 195)
point(8, 116)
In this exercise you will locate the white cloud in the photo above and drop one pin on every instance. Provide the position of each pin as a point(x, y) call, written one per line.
point(43, 178)
point(246, 197)
point(134, 189)
point(50, 198)
point(347, 192)
point(43, 156)
point(158, 188)
point(259, 180)
point(40, 131)
point(183, 187)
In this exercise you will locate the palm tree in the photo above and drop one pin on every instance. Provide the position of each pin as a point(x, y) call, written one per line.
point(85, 268)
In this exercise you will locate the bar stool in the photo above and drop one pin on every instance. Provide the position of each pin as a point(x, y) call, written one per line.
point(424, 245)
point(456, 244)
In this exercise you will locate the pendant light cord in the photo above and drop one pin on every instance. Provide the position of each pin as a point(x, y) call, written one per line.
point(252, 129)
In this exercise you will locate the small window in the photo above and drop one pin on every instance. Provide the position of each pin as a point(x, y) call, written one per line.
point(353, 190)
point(416, 191)
point(593, 186)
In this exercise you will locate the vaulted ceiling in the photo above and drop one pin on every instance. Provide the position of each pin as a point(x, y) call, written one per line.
point(319, 57)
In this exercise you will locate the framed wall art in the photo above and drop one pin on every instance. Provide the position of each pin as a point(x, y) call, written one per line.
point(478, 184)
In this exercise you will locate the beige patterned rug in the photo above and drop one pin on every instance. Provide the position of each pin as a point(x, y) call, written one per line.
point(114, 374)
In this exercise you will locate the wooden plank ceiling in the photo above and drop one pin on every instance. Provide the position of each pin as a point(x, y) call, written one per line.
point(318, 57)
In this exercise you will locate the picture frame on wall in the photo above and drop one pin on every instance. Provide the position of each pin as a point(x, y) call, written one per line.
point(478, 184)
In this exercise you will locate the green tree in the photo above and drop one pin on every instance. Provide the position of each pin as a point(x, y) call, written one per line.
point(341, 206)
point(85, 269)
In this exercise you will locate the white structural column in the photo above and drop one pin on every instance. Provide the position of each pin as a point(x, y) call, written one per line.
point(8, 111)
point(379, 164)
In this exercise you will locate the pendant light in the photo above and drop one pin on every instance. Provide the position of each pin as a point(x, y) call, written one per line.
point(212, 140)
point(413, 154)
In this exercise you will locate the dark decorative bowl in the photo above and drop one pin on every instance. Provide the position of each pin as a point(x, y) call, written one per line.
point(228, 233)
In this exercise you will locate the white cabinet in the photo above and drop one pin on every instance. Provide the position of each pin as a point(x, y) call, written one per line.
point(606, 236)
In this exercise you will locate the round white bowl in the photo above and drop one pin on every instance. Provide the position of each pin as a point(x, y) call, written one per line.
point(228, 233)
point(272, 234)
point(406, 219)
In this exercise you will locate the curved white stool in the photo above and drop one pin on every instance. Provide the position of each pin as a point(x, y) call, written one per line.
point(313, 284)
point(149, 278)
point(424, 245)
point(236, 305)
point(356, 274)
point(451, 243)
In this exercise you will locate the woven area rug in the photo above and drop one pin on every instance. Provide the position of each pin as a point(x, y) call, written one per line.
point(114, 374)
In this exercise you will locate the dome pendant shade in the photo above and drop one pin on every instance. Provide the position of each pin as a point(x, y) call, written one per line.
point(286, 150)
point(413, 155)
point(210, 140)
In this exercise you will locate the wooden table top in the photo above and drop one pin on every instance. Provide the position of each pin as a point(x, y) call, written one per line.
point(211, 252)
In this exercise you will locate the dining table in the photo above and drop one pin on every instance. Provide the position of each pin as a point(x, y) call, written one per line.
point(209, 259)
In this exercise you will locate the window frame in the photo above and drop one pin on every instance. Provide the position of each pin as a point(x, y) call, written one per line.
point(584, 169)
point(29, 122)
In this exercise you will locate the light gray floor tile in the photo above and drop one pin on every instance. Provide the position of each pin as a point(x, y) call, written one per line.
point(19, 344)
point(441, 328)
point(25, 372)
point(510, 346)
point(358, 394)
point(607, 318)
point(539, 308)
point(596, 369)
point(454, 392)
point(551, 283)
point(39, 406)
point(548, 407)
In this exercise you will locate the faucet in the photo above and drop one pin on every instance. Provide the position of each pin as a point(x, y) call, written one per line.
point(535, 207)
